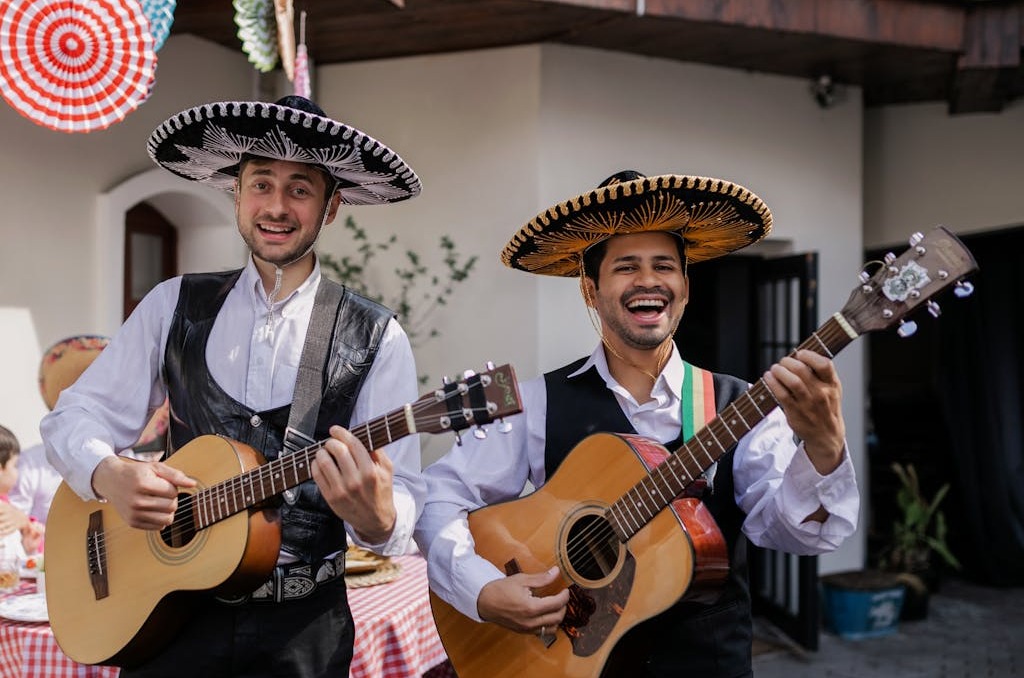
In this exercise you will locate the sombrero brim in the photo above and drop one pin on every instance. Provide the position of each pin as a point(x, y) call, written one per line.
point(713, 216)
point(64, 362)
point(206, 144)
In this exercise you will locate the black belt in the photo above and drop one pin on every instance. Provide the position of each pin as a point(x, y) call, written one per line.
point(293, 581)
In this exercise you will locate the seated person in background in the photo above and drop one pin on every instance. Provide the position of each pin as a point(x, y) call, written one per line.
point(38, 481)
point(25, 537)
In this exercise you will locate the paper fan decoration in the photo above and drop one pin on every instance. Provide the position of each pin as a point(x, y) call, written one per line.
point(257, 29)
point(285, 16)
point(302, 85)
point(75, 65)
point(160, 14)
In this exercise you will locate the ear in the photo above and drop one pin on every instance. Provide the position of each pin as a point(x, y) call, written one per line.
point(588, 289)
point(332, 209)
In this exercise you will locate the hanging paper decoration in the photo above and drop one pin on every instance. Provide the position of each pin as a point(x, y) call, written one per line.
point(160, 14)
point(257, 29)
point(302, 84)
point(286, 35)
point(75, 65)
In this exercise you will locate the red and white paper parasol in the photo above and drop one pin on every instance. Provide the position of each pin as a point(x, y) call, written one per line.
point(75, 65)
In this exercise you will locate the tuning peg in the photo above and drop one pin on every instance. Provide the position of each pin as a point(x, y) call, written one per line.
point(906, 328)
point(915, 238)
point(479, 433)
point(934, 309)
point(446, 380)
point(963, 289)
point(489, 365)
point(504, 426)
point(458, 438)
point(889, 258)
point(468, 373)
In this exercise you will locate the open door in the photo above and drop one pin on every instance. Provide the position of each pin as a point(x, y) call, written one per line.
point(744, 314)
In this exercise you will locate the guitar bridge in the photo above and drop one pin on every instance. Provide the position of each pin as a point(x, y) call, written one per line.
point(96, 555)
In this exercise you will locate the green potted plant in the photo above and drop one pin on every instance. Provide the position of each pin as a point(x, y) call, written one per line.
point(918, 539)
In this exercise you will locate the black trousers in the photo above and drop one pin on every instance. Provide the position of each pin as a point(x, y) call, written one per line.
point(307, 638)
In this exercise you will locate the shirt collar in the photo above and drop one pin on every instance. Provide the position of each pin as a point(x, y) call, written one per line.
point(671, 376)
point(252, 282)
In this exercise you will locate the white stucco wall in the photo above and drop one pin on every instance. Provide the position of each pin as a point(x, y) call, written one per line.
point(924, 168)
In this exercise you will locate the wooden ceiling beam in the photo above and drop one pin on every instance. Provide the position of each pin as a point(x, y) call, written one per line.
point(900, 23)
point(985, 72)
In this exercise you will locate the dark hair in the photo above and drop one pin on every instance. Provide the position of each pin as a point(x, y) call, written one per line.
point(8, 446)
point(594, 255)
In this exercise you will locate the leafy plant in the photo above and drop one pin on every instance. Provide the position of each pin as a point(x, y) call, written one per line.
point(420, 291)
point(921, 528)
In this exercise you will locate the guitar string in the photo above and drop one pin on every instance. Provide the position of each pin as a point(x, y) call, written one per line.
point(579, 549)
point(260, 473)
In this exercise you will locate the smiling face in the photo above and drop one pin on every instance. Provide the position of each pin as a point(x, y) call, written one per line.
point(642, 289)
point(279, 206)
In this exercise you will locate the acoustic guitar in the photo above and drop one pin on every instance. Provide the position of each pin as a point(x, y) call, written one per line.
point(116, 594)
point(601, 517)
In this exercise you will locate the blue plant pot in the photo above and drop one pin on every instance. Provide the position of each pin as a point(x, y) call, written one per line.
point(862, 604)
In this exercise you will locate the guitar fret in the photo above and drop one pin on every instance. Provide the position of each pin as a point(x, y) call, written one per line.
point(822, 344)
point(387, 428)
point(739, 413)
point(753, 402)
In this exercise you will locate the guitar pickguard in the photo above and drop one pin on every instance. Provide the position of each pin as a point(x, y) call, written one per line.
point(592, 613)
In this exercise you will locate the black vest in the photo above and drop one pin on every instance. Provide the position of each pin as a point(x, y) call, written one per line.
point(200, 406)
point(688, 639)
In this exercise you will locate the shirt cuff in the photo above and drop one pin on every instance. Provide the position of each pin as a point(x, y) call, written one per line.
point(804, 490)
point(401, 536)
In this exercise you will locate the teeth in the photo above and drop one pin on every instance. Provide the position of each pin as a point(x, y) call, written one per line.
point(646, 303)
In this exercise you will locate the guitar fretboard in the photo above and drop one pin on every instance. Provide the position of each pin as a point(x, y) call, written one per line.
point(667, 481)
point(248, 489)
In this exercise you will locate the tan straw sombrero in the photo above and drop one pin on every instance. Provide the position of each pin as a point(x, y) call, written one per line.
point(713, 217)
point(65, 361)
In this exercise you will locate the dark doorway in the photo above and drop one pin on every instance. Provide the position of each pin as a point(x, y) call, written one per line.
point(949, 400)
point(744, 314)
point(150, 253)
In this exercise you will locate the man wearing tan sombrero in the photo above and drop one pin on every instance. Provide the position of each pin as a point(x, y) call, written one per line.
point(274, 356)
point(564, 574)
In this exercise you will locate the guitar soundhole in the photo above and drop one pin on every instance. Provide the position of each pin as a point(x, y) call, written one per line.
point(592, 547)
point(183, 530)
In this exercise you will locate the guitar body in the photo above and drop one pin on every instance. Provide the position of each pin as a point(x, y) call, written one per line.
point(121, 610)
point(613, 586)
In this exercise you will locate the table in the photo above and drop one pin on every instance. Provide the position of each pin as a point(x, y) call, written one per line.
point(395, 635)
point(395, 632)
point(29, 650)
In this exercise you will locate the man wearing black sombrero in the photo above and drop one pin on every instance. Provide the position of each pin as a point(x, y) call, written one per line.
point(604, 545)
point(274, 356)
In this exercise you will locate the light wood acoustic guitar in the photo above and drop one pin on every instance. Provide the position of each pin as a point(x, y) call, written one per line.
point(116, 594)
point(601, 517)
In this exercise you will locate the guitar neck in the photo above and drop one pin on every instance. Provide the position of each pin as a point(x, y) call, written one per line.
point(253, 487)
point(670, 479)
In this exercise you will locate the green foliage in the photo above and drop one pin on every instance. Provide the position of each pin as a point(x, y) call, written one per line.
point(921, 528)
point(420, 291)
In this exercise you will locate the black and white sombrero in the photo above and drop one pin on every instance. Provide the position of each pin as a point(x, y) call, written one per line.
point(206, 144)
point(713, 216)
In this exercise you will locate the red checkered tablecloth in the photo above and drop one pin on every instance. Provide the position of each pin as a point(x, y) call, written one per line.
point(395, 635)
point(28, 650)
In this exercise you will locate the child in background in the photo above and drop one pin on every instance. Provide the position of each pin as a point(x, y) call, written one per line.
point(27, 537)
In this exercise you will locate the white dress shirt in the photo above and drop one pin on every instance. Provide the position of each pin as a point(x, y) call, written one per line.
point(775, 483)
point(253, 354)
point(37, 483)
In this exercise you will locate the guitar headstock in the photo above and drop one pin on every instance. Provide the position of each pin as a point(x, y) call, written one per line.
point(475, 400)
point(934, 262)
